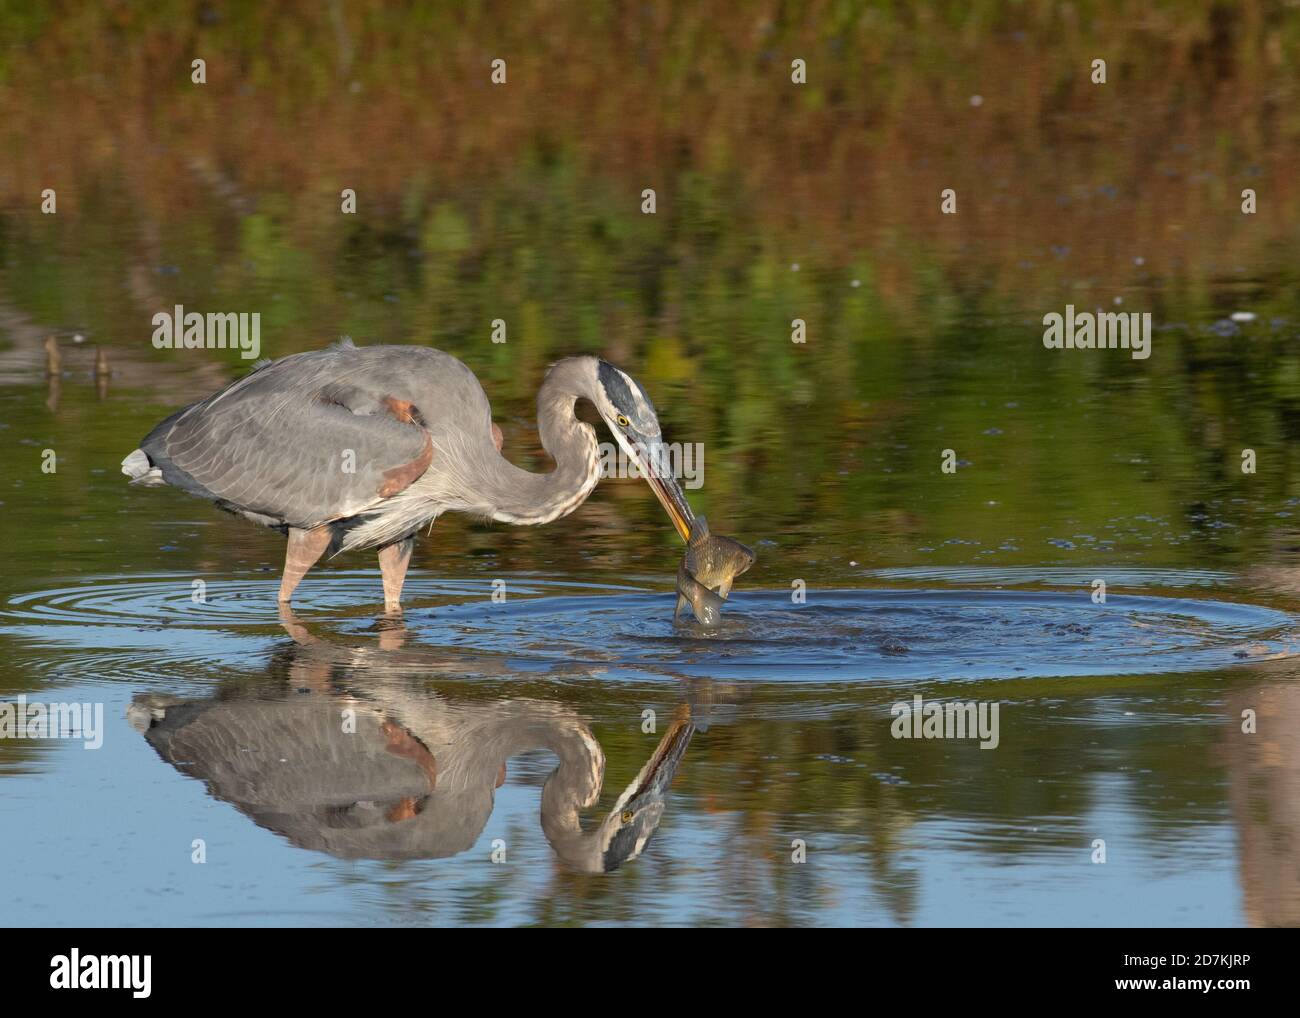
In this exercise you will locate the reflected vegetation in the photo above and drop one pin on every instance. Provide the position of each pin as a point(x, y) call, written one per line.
point(1264, 784)
point(817, 203)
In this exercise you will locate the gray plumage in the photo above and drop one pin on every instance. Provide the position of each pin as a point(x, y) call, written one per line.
point(308, 439)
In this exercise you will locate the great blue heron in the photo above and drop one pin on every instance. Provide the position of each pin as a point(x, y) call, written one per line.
point(359, 447)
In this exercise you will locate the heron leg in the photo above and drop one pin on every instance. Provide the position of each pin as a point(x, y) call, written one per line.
point(393, 560)
point(305, 549)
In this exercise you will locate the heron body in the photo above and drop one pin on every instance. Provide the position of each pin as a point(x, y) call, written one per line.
point(359, 447)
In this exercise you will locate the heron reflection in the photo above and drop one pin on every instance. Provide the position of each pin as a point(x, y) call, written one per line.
point(346, 754)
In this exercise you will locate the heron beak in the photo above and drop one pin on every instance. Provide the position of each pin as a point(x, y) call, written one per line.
point(658, 773)
point(652, 460)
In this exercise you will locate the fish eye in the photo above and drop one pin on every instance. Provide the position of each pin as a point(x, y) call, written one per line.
point(623, 422)
point(627, 816)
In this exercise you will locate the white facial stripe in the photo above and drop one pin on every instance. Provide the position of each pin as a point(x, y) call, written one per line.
point(642, 410)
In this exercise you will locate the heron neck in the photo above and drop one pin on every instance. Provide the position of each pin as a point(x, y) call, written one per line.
point(528, 498)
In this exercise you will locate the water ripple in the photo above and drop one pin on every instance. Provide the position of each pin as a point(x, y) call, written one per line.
point(152, 626)
point(1055, 576)
point(878, 635)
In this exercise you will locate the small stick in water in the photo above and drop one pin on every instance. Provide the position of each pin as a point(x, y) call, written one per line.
point(53, 359)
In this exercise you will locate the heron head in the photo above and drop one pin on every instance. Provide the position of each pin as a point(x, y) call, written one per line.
point(631, 417)
point(638, 811)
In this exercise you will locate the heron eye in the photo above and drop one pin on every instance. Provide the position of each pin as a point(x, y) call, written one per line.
point(627, 816)
point(623, 422)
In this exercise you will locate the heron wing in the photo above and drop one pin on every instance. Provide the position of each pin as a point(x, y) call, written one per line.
point(297, 441)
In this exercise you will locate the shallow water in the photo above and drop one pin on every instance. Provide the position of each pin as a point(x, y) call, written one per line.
point(569, 755)
point(1119, 721)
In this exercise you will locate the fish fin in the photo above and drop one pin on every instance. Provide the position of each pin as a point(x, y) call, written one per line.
point(699, 529)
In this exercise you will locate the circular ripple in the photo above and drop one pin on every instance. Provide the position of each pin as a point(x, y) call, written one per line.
point(167, 600)
point(150, 626)
point(149, 629)
point(876, 635)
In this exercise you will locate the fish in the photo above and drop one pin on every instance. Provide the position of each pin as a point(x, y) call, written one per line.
point(707, 570)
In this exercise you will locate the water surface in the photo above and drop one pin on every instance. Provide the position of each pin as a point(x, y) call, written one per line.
point(501, 766)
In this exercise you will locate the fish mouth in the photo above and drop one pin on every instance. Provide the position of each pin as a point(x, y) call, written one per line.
point(651, 458)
